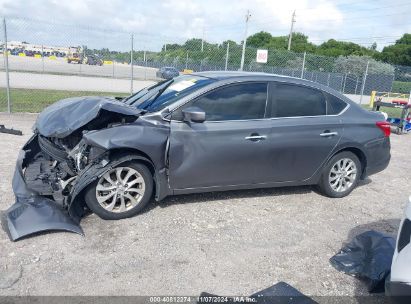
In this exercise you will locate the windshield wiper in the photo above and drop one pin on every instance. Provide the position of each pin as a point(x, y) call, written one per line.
point(158, 95)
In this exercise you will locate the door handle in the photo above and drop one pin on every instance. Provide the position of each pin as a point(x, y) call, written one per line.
point(256, 137)
point(328, 134)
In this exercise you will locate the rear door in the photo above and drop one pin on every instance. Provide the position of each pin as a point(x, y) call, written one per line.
point(226, 149)
point(303, 135)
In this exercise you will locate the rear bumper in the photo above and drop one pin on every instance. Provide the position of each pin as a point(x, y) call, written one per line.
point(378, 166)
point(378, 156)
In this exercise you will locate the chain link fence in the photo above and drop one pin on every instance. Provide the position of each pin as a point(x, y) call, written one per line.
point(50, 61)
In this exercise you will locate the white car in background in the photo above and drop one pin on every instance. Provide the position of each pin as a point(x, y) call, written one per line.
point(400, 281)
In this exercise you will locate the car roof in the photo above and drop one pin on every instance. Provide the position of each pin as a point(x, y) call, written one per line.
point(231, 74)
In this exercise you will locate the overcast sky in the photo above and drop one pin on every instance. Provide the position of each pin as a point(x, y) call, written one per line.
point(77, 22)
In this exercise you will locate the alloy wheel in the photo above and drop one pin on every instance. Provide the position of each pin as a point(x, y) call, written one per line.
point(342, 175)
point(120, 189)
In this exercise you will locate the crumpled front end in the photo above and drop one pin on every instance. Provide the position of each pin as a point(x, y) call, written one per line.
point(35, 210)
point(56, 165)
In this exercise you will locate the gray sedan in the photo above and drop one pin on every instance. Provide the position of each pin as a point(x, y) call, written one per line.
point(167, 73)
point(211, 131)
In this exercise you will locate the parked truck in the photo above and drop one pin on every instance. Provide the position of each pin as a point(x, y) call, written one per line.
point(75, 55)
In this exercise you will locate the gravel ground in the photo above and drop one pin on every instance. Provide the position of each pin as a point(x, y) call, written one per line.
point(228, 243)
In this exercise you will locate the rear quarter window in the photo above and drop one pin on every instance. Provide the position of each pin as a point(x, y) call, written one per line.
point(334, 104)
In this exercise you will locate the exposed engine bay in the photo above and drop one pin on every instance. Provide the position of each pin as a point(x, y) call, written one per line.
point(54, 169)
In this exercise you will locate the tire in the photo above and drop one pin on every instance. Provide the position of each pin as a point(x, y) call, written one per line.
point(333, 179)
point(111, 199)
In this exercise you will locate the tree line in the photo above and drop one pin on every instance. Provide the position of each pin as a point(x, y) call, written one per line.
point(203, 52)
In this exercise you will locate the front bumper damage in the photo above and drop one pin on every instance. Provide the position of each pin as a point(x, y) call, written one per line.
point(55, 165)
point(32, 212)
point(46, 202)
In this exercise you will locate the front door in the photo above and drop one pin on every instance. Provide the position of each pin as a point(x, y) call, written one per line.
point(227, 148)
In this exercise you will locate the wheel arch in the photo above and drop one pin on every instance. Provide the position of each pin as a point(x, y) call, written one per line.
point(118, 156)
point(137, 155)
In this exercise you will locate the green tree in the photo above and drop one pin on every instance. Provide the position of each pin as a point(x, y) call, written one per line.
point(399, 53)
point(266, 40)
point(336, 48)
point(357, 64)
point(300, 44)
point(259, 40)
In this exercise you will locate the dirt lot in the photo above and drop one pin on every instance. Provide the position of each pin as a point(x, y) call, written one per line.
point(225, 243)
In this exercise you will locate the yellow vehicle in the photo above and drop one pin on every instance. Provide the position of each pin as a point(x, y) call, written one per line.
point(75, 55)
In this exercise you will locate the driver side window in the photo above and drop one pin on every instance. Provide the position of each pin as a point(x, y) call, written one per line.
point(242, 101)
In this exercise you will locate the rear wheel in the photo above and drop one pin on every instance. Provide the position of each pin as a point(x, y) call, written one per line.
point(121, 192)
point(341, 175)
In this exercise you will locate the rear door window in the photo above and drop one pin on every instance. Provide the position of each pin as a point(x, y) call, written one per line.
point(291, 100)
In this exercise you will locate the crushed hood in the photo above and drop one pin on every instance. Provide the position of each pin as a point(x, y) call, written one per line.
point(67, 115)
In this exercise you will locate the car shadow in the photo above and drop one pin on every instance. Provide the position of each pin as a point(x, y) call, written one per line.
point(227, 195)
point(364, 182)
point(234, 194)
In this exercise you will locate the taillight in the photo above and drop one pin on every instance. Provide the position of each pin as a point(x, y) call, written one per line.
point(385, 127)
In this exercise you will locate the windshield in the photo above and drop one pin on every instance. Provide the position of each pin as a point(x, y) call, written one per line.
point(162, 94)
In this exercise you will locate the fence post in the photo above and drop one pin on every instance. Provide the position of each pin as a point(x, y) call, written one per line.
point(187, 61)
point(363, 81)
point(6, 65)
point(226, 55)
point(42, 57)
point(356, 85)
point(345, 81)
point(302, 68)
point(145, 65)
point(131, 64)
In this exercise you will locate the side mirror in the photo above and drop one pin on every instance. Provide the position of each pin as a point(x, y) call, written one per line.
point(194, 114)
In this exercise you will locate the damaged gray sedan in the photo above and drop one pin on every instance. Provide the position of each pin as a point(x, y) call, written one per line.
point(210, 131)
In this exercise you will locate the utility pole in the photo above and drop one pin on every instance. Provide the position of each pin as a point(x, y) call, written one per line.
point(291, 31)
point(247, 18)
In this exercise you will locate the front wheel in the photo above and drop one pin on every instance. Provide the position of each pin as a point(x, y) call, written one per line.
point(341, 175)
point(122, 192)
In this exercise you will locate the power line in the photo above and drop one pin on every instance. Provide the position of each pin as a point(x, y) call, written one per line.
point(345, 19)
point(358, 38)
point(361, 9)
